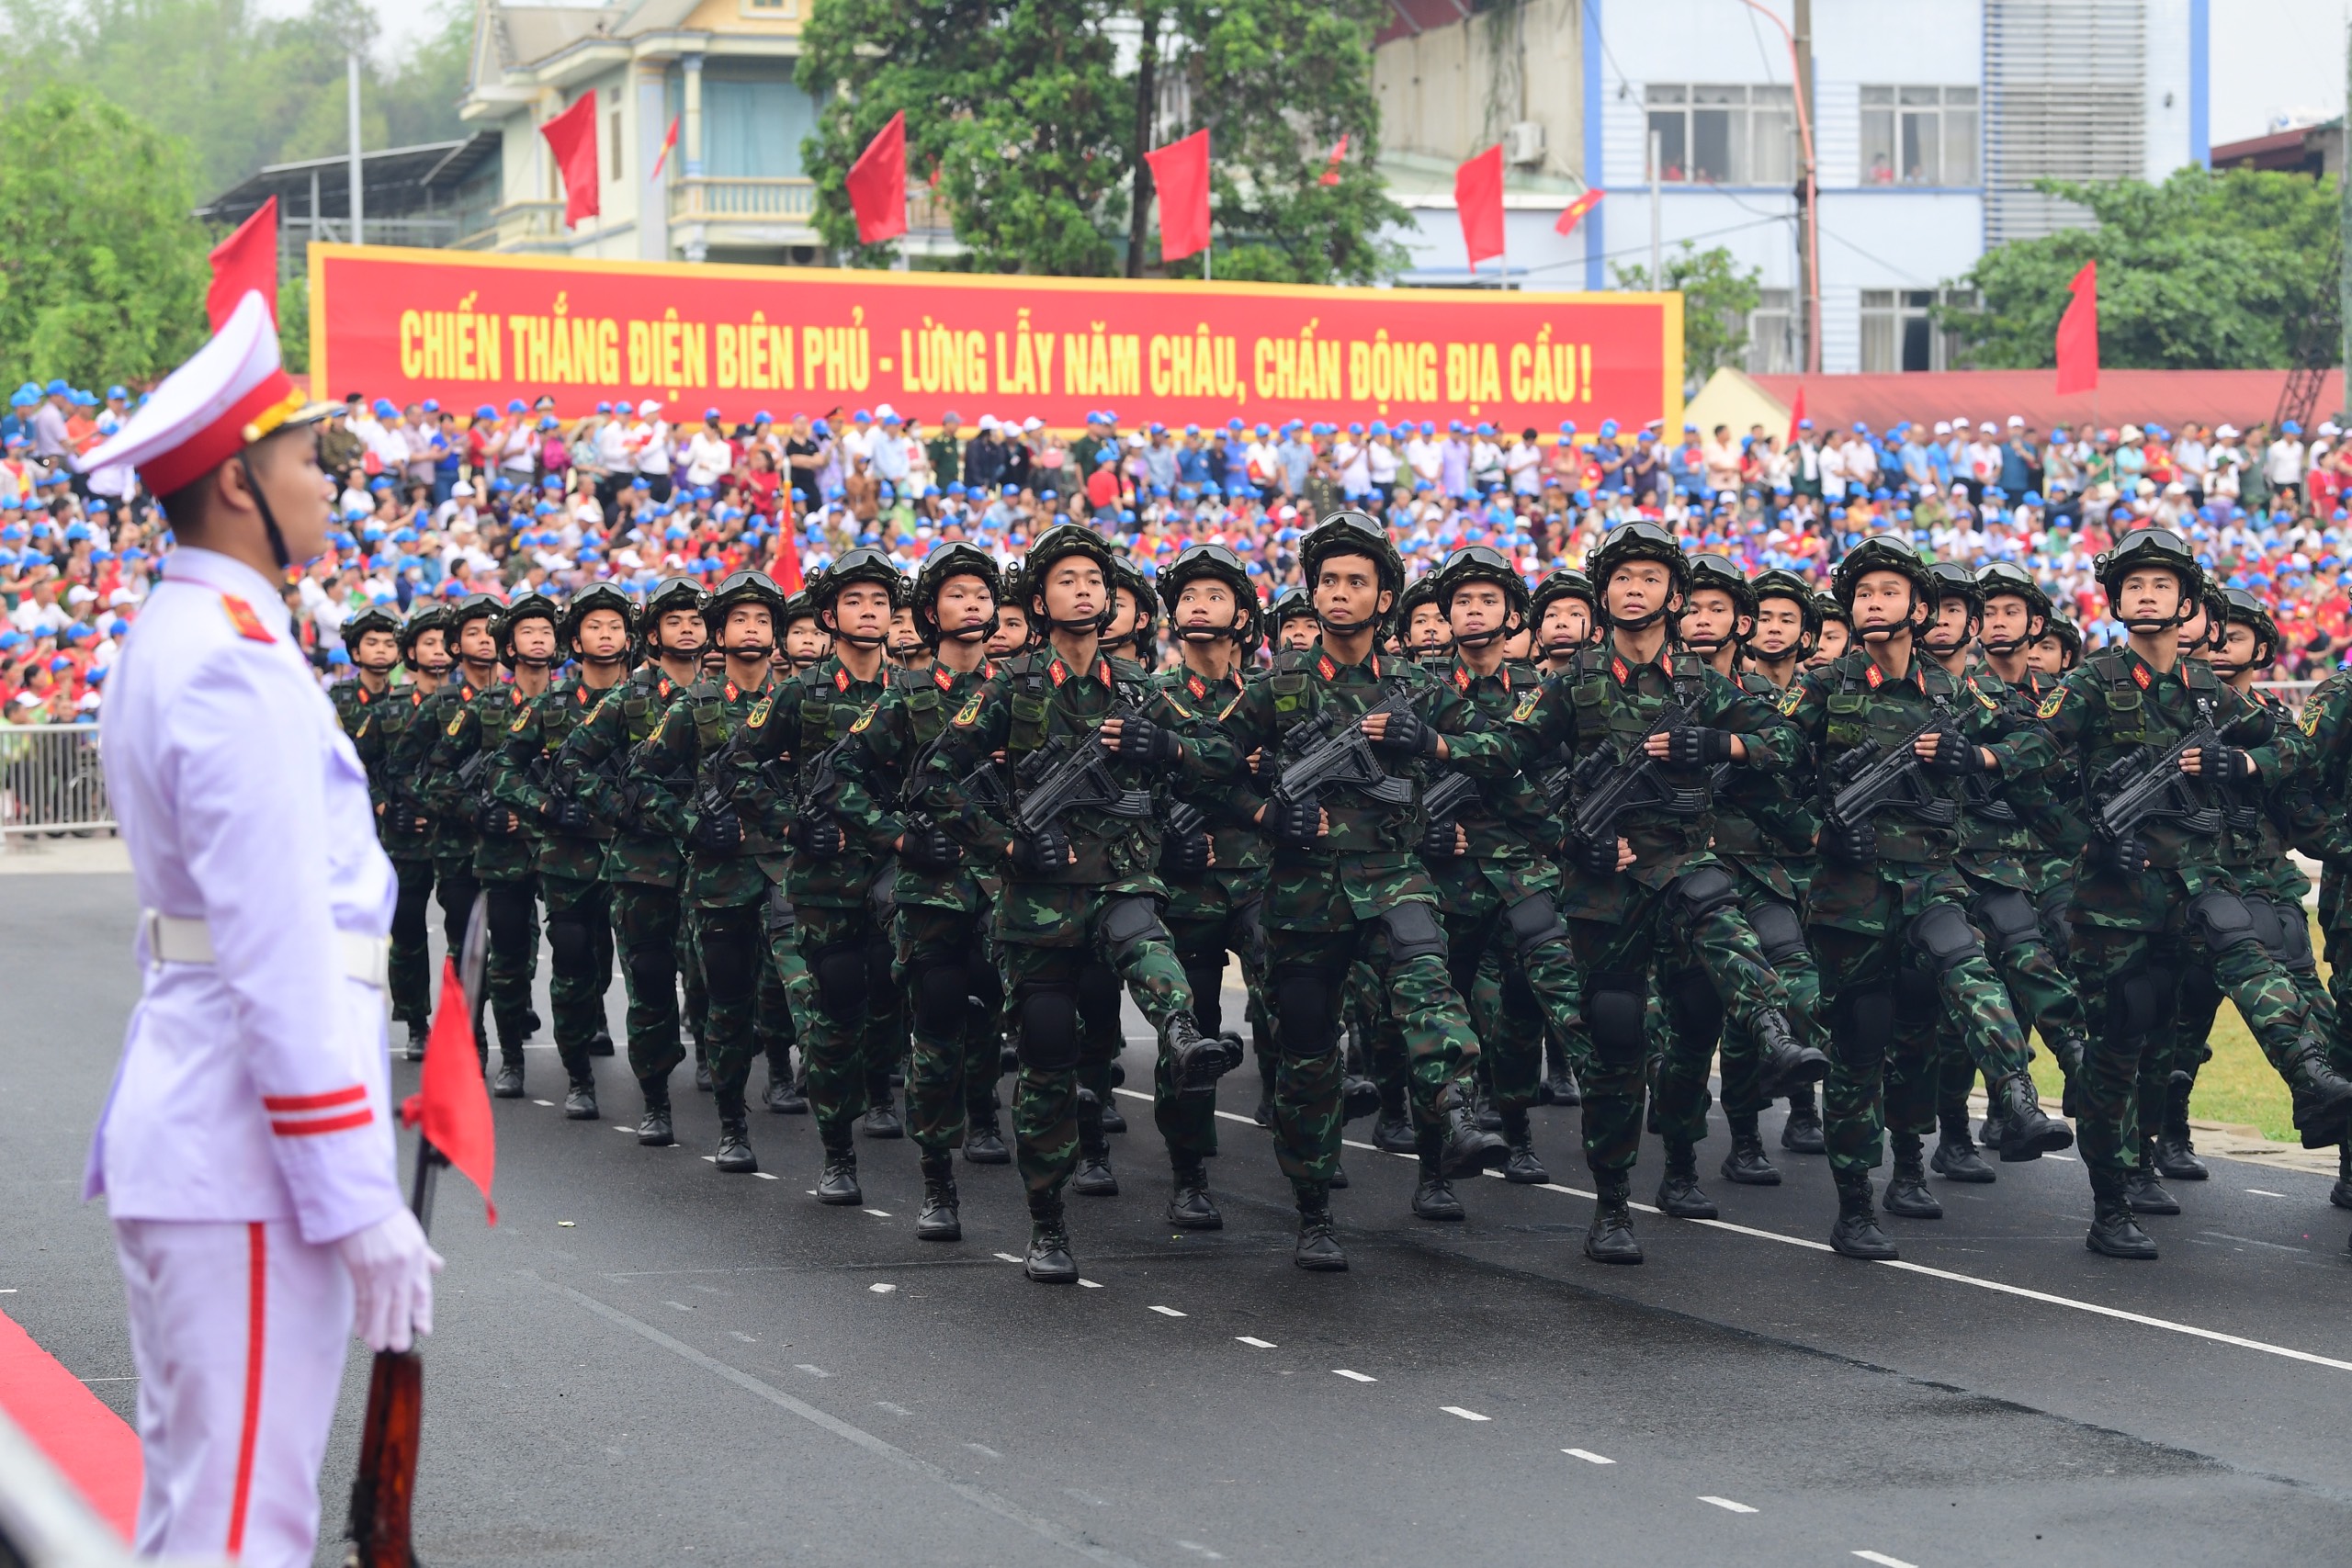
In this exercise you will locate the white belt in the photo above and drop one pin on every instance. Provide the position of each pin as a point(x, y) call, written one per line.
point(174, 938)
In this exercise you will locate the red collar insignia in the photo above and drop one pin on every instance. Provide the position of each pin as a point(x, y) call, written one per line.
point(730, 690)
point(1103, 671)
point(515, 697)
point(1617, 668)
point(1198, 687)
point(1329, 670)
point(662, 688)
point(583, 696)
point(942, 679)
point(1874, 677)
point(242, 616)
point(2139, 674)
point(841, 680)
point(1461, 679)
point(1058, 671)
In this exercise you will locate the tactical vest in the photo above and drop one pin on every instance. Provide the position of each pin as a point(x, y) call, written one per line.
point(1601, 713)
point(1109, 848)
point(1302, 694)
point(827, 708)
point(1856, 721)
point(2127, 703)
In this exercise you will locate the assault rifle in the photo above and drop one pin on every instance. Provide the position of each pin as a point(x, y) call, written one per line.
point(1452, 795)
point(1075, 774)
point(1606, 785)
point(2145, 784)
point(1872, 779)
point(1331, 750)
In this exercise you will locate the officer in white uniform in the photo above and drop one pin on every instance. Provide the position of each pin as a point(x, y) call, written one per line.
point(246, 1150)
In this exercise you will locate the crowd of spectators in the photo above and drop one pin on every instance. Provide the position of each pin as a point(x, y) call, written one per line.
point(441, 501)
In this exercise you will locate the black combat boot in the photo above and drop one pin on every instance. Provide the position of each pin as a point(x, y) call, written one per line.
point(735, 1155)
point(1358, 1097)
point(702, 1067)
point(1488, 1115)
point(939, 1220)
point(2322, 1099)
point(984, 1144)
point(1433, 1197)
point(2114, 1233)
point(601, 1043)
point(782, 1097)
point(1467, 1147)
point(653, 1130)
point(1678, 1193)
point(1855, 1233)
point(1745, 1165)
point(1318, 1243)
point(1521, 1168)
point(1787, 1063)
point(508, 1083)
point(837, 1182)
point(1094, 1178)
point(1393, 1133)
point(1801, 1134)
point(1197, 1060)
point(1190, 1207)
point(1956, 1158)
point(2067, 1050)
point(1560, 1087)
point(2026, 1132)
point(1906, 1189)
point(882, 1119)
point(580, 1099)
point(1339, 1177)
point(1049, 1262)
point(2176, 1154)
point(417, 1035)
point(2141, 1191)
point(2341, 1193)
point(1609, 1239)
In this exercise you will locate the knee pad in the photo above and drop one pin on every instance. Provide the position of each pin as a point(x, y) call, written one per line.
point(509, 914)
point(409, 912)
point(653, 971)
point(1098, 997)
point(840, 973)
point(1865, 1022)
point(729, 951)
point(1532, 921)
point(1614, 1006)
point(2137, 1006)
point(1413, 933)
point(1917, 1001)
point(2008, 920)
point(1696, 893)
point(1305, 1023)
point(2220, 919)
point(2054, 910)
point(2294, 948)
point(2268, 919)
point(1049, 1027)
point(942, 994)
point(777, 914)
point(1694, 1009)
point(572, 941)
point(1778, 931)
point(1942, 937)
point(1128, 923)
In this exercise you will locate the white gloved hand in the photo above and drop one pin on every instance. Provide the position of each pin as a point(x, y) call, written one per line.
point(392, 1270)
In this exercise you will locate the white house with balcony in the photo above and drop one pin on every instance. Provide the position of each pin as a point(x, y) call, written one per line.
point(720, 71)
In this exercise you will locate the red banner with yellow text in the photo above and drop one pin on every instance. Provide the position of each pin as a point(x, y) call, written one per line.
point(410, 324)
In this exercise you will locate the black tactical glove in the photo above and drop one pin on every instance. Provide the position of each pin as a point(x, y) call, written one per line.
point(1594, 857)
point(1408, 735)
point(1849, 843)
point(1439, 842)
point(1141, 740)
point(1043, 851)
point(569, 815)
point(494, 821)
point(1956, 756)
point(1295, 822)
point(719, 832)
point(818, 837)
point(1184, 855)
point(1266, 767)
point(1696, 746)
point(930, 849)
point(2224, 764)
point(2126, 856)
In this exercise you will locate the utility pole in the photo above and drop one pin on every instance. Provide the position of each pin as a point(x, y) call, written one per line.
point(1657, 260)
point(1809, 244)
point(352, 61)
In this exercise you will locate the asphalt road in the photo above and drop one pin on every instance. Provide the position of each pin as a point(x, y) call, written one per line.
point(646, 1362)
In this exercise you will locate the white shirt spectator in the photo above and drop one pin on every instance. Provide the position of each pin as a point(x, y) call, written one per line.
point(707, 458)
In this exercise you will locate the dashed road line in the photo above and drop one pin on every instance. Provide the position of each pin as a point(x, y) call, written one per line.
point(983, 1451)
point(1587, 1456)
point(812, 1371)
point(878, 1213)
point(1256, 1344)
point(548, 1103)
point(1728, 1506)
point(1169, 1312)
point(1883, 1561)
point(1091, 1284)
point(1465, 1415)
point(881, 1290)
point(680, 1305)
point(1195, 1547)
point(1351, 1377)
point(764, 1175)
point(2265, 1192)
point(1008, 1257)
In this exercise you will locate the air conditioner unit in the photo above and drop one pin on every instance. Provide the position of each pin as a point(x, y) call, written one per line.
point(1524, 142)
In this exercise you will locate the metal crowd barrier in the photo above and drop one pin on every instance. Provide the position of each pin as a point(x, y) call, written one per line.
point(51, 783)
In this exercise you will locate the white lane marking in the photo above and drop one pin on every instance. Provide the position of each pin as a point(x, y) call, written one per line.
point(1169, 1312)
point(1351, 1377)
point(1256, 1344)
point(764, 1175)
point(1008, 1257)
point(812, 1371)
point(2265, 1192)
point(739, 1334)
point(881, 1290)
point(1465, 1415)
point(879, 1213)
point(680, 1305)
point(1728, 1506)
point(9, 1292)
point(1587, 1456)
point(2249, 1241)
point(893, 1409)
point(713, 1160)
point(1204, 1552)
point(1091, 1284)
point(630, 1131)
point(983, 1451)
point(1882, 1560)
point(543, 1102)
point(2070, 1159)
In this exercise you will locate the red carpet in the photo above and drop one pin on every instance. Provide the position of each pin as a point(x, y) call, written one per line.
point(96, 1448)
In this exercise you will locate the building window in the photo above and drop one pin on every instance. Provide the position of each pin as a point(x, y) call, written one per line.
point(752, 128)
point(1918, 136)
point(1899, 332)
point(1771, 343)
point(1723, 135)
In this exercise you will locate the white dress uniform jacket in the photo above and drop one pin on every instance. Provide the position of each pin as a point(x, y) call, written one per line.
point(252, 1088)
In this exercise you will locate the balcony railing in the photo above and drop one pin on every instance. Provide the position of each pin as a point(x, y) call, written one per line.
point(712, 199)
point(515, 225)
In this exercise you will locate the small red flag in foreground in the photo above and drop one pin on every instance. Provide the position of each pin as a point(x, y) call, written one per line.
point(572, 137)
point(2078, 335)
point(1479, 200)
point(245, 261)
point(450, 1105)
point(1330, 174)
point(667, 142)
point(878, 184)
point(1796, 416)
point(1180, 173)
point(1576, 211)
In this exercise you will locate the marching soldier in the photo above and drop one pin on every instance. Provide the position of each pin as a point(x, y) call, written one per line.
point(403, 735)
point(472, 642)
point(373, 714)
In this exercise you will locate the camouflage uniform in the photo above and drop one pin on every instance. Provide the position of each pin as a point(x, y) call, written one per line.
point(386, 730)
point(2322, 814)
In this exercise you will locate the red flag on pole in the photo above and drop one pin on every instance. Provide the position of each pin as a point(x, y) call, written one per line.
point(788, 574)
point(1796, 416)
point(572, 137)
point(246, 260)
point(450, 1105)
point(2078, 335)
point(667, 142)
point(1180, 172)
point(1330, 174)
point(1478, 199)
point(878, 184)
point(1569, 218)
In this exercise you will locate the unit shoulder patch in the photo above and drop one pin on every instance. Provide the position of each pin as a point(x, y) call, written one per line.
point(970, 713)
point(2051, 704)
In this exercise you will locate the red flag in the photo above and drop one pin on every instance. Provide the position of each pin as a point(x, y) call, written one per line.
point(787, 573)
point(878, 184)
point(1181, 171)
point(572, 137)
point(2078, 335)
point(1796, 416)
point(450, 1101)
point(667, 142)
point(245, 261)
point(1330, 174)
point(1478, 199)
point(1576, 211)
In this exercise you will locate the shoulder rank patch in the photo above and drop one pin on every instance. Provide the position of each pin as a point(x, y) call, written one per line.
point(1791, 695)
point(2308, 720)
point(1990, 705)
point(242, 616)
point(758, 716)
point(455, 725)
point(1226, 712)
point(2049, 705)
point(863, 719)
point(970, 712)
point(1526, 705)
point(522, 722)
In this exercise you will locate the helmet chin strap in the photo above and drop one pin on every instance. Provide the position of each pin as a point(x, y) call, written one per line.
point(1638, 623)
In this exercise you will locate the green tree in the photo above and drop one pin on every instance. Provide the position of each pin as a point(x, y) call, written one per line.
point(1716, 299)
point(102, 270)
point(2206, 271)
